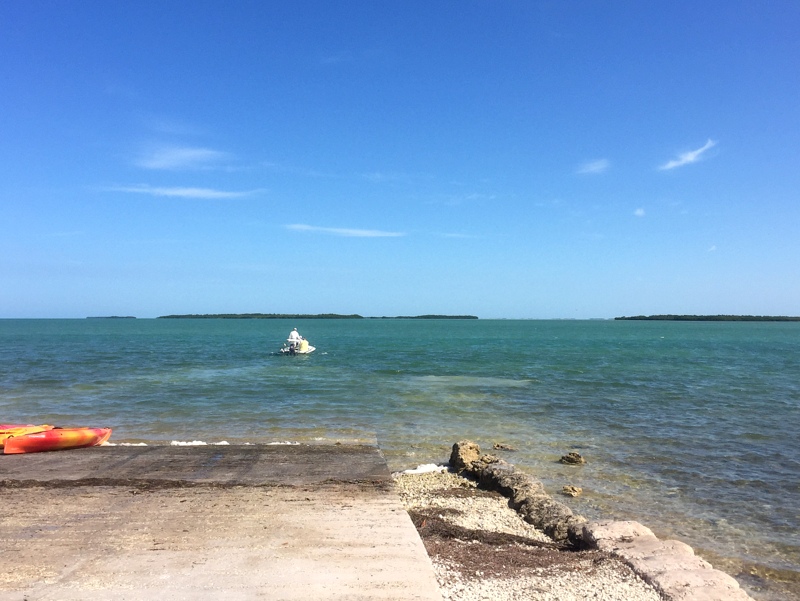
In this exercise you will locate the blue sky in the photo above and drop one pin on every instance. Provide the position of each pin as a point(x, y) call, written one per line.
point(555, 159)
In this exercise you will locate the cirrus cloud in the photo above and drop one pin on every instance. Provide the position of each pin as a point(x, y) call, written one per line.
point(181, 157)
point(346, 232)
point(598, 166)
point(182, 192)
point(686, 158)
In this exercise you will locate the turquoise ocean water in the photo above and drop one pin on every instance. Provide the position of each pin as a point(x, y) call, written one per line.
point(690, 428)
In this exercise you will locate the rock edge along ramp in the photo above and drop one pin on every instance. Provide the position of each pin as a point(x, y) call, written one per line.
point(239, 522)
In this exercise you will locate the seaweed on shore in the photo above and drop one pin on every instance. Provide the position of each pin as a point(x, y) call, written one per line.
point(483, 554)
point(431, 525)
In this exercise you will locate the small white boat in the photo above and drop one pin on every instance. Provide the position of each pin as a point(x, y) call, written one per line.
point(297, 347)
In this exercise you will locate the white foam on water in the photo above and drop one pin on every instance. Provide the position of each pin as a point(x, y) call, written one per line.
point(426, 468)
point(284, 442)
point(196, 443)
point(123, 444)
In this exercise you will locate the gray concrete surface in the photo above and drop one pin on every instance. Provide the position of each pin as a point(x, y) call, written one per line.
point(222, 522)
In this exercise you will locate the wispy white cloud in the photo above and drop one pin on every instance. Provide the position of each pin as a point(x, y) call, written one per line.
point(182, 192)
point(713, 248)
point(686, 158)
point(346, 232)
point(597, 166)
point(639, 212)
point(181, 157)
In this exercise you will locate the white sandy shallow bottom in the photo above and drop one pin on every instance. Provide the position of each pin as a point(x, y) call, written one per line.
point(610, 580)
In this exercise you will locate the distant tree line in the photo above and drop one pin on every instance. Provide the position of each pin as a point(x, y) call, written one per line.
point(709, 318)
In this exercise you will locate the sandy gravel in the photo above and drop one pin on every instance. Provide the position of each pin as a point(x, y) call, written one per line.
point(482, 550)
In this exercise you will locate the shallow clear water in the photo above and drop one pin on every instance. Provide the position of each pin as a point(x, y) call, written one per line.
point(688, 427)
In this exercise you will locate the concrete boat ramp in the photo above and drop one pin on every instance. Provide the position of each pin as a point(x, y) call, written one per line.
point(208, 522)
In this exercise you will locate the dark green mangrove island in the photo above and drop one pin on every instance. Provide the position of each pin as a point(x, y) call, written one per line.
point(709, 318)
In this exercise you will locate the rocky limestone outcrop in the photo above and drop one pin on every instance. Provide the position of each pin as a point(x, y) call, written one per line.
point(573, 458)
point(464, 454)
point(670, 566)
point(525, 493)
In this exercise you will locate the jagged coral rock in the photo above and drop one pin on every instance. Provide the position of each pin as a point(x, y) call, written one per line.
point(464, 453)
point(573, 458)
point(526, 494)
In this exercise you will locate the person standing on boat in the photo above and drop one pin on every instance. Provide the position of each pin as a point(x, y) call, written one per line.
point(294, 341)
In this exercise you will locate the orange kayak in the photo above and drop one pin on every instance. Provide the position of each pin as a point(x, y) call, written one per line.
point(56, 439)
point(9, 430)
